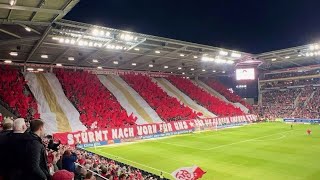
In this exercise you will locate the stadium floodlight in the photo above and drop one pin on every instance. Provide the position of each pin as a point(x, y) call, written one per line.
point(71, 58)
point(58, 64)
point(44, 56)
point(207, 59)
point(214, 71)
point(101, 33)
point(157, 52)
point(219, 60)
point(136, 49)
point(85, 43)
point(115, 62)
point(182, 55)
point(203, 70)
point(12, 2)
point(150, 65)
point(13, 53)
point(61, 40)
point(223, 72)
point(27, 29)
point(95, 32)
point(40, 69)
point(67, 41)
point(8, 61)
point(230, 62)
point(299, 55)
point(30, 69)
point(80, 43)
point(126, 37)
point(316, 46)
point(166, 67)
point(311, 47)
point(134, 64)
point(90, 44)
point(273, 59)
point(183, 73)
point(223, 53)
point(179, 68)
point(107, 34)
point(287, 57)
point(95, 60)
point(311, 54)
point(235, 55)
point(55, 38)
point(192, 69)
point(195, 57)
point(99, 67)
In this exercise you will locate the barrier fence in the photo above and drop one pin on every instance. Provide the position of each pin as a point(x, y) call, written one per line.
point(108, 136)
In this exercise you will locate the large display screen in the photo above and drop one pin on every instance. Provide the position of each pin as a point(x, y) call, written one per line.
point(245, 74)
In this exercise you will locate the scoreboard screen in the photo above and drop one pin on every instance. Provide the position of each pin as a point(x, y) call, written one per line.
point(245, 74)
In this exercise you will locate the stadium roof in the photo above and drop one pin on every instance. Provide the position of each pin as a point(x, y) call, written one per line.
point(33, 31)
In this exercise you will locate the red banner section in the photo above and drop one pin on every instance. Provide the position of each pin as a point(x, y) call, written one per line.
point(147, 130)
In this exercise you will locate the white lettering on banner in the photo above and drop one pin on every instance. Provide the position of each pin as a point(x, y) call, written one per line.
point(114, 133)
point(163, 127)
point(98, 135)
point(77, 136)
point(84, 137)
point(91, 137)
point(105, 133)
point(139, 128)
point(70, 139)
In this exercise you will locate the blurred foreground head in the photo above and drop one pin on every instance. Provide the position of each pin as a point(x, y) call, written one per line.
point(37, 127)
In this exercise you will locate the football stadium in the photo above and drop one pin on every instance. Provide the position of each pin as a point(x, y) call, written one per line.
point(85, 101)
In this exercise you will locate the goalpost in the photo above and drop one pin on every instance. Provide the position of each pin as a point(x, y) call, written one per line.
point(198, 128)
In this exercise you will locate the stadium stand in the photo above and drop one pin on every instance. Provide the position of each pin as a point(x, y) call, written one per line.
point(205, 99)
point(15, 95)
point(220, 88)
point(279, 103)
point(168, 108)
point(291, 74)
point(97, 106)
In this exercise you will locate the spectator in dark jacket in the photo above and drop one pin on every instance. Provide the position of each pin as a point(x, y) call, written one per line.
point(4, 137)
point(68, 160)
point(36, 166)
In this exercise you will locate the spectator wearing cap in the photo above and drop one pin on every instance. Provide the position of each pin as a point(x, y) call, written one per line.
point(63, 175)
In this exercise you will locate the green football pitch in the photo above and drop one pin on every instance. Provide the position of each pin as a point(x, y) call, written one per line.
point(269, 151)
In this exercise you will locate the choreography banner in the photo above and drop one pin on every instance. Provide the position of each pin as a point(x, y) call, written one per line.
point(99, 137)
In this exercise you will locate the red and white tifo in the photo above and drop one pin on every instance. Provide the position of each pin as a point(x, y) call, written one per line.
point(188, 173)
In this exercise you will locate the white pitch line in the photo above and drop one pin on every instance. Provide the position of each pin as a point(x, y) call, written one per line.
point(217, 147)
point(117, 157)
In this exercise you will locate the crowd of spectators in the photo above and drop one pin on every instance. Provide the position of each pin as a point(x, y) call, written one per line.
point(220, 88)
point(279, 103)
point(97, 106)
point(308, 108)
point(203, 98)
point(15, 95)
point(297, 82)
point(167, 107)
point(291, 74)
point(29, 155)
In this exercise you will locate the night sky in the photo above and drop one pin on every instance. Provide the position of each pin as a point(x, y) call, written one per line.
point(252, 26)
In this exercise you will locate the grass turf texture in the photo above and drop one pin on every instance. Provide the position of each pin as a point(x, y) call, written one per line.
point(267, 151)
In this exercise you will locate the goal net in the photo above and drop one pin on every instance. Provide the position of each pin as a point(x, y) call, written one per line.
point(213, 126)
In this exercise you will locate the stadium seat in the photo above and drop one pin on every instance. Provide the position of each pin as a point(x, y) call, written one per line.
point(220, 88)
point(14, 92)
point(97, 106)
point(168, 108)
point(205, 99)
